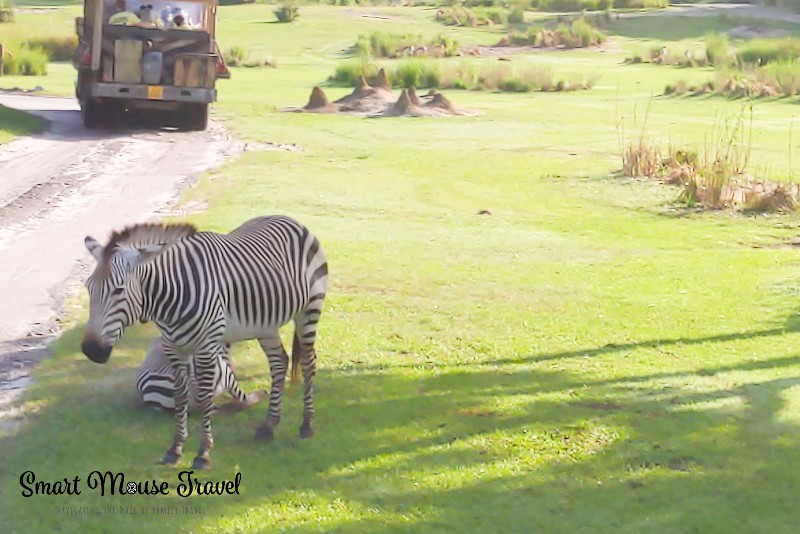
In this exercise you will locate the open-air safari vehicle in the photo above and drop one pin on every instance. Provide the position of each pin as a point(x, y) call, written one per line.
point(170, 71)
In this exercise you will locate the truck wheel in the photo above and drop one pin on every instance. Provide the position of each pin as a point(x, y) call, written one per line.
point(90, 113)
point(194, 117)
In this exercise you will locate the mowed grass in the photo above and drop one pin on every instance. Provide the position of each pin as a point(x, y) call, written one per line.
point(584, 359)
point(13, 123)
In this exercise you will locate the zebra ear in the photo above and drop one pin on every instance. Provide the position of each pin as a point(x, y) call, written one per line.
point(143, 254)
point(94, 247)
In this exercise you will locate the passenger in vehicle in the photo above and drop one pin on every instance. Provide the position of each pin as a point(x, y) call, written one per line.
point(146, 15)
point(179, 22)
point(123, 17)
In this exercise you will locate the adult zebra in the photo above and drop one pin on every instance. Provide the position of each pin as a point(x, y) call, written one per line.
point(155, 380)
point(203, 290)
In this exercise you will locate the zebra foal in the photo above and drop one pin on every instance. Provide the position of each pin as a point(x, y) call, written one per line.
point(155, 380)
point(204, 290)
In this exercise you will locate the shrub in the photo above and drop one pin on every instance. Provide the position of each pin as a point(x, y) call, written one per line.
point(448, 44)
point(717, 49)
point(287, 13)
point(234, 56)
point(763, 51)
point(471, 17)
point(514, 85)
point(585, 34)
point(425, 73)
point(391, 45)
point(785, 76)
point(577, 34)
point(349, 72)
point(516, 15)
point(593, 5)
point(6, 12)
point(494, 15)
point(56, 48)
point(419, 73)
point(516, 38)
point(26, 62)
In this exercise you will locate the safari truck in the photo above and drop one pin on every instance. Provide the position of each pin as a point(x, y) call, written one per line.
point(155, 56)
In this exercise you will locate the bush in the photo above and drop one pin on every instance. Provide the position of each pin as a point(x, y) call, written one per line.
point(516, 16)
point(421, 74)
point(577, 34)
point(56, 48)
point(26, 62)
point(348, 73)
point(287, 13)
point(585, 34)
point(392, 45)
point(460, 16)
point(717, 49)
point(6, 13)
point(593, 5)
point(514, 85)
point(516, 38)
point(234, 56)
point(785, 76)
point(763, 51)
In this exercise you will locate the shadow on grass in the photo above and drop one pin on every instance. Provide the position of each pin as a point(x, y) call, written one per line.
point(792, 325)
point(667, 27)
point(510, 450)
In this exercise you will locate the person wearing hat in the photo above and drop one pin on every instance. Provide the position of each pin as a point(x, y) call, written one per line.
point(123, 17)
point(180, 22)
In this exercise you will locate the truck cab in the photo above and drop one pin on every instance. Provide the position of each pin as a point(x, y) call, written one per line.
point(155, 56)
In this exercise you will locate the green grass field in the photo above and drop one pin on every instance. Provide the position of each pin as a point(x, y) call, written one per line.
point(13, 123)
point(587, 358)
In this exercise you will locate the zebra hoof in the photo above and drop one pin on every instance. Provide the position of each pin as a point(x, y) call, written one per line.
point(306, 431)
point(201, 463)
point(171, 458)
point(264, 433)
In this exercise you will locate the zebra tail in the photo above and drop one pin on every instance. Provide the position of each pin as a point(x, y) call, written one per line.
point(295, 358)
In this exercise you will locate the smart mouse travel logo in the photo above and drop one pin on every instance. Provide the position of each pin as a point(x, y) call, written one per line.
point(108, 483)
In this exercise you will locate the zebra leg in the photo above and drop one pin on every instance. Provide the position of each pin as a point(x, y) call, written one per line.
point(205, 371)
point(181, 369)
point(240, 398)
point(278, 364)
point(305, 334)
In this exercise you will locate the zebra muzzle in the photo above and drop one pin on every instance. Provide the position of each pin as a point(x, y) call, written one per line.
point(96, 352)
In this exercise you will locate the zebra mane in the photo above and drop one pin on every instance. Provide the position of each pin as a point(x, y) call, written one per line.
point(141, 235)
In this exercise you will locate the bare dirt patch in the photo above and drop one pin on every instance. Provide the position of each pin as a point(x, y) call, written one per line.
point(502, 50)
point(757, 32)
point(68, 182)
point(380, 101)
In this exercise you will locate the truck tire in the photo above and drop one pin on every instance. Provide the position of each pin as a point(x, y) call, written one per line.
point(90, 113)
point(193, 117)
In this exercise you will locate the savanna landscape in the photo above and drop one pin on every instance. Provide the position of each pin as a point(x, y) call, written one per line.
point(573, 309)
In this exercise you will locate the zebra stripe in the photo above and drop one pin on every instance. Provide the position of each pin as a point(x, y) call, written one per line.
point(155, 380)
point(203, 290)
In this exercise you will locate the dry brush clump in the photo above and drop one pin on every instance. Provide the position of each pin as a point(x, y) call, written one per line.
point(484, 75)
point(395, 45)
point(770, 82)
point(578, 32)
point(715, 177)
point(760, 68)
point(472, 17)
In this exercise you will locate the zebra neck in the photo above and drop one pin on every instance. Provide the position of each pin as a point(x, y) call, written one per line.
point(157, 295)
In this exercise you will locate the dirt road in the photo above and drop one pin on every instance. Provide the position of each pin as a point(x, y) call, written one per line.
point(58, 187)
point(745, 11)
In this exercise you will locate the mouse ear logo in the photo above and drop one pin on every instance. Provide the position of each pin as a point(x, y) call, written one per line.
point(131, 488)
